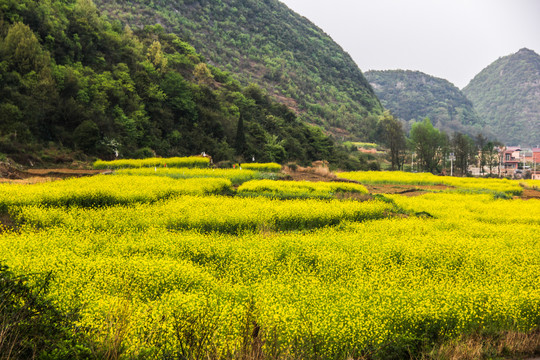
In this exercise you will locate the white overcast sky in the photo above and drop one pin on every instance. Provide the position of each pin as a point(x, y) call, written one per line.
point(450, 39)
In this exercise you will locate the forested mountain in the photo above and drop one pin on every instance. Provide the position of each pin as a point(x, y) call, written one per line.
point(71, 79)
point(507, 96)
point(267, 43)
point(413, 95)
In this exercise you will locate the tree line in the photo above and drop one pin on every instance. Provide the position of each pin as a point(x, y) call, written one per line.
point(430, 149)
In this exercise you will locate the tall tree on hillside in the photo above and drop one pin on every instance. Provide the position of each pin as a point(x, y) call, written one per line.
point(240, 141)
point(393, 137)
point(426, 141)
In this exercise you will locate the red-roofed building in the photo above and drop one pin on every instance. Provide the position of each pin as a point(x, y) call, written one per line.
point(509, 160)
point(536, 155)
point(535, 173)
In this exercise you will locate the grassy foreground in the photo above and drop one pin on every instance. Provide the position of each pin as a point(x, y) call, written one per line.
point(197, 274)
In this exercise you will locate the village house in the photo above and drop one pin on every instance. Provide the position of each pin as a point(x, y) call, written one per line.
point(509, 160)
point(535, 163)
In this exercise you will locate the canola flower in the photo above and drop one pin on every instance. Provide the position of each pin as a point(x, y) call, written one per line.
point(459, 263)
point(265, 167)
point(236, 176)
point(183, 162)
point(105, 190)
point(533, 184)
point(207, 214)
point(510, 187)
point(298, 189)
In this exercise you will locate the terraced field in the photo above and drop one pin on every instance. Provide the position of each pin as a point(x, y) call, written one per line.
point(162, 267)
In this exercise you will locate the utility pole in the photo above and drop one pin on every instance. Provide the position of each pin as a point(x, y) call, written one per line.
point(452, 158)
point(534, 162)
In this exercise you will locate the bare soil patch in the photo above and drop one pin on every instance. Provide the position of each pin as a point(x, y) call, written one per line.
point(63, 173)
point(12, 174)
point(529, 193)
point(6, 223)
point(323, 174)
point(9, 172)
point(406, 190)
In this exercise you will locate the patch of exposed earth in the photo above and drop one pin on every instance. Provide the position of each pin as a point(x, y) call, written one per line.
point(529, 193)
point(406, 190)
point(12, 174)
point(322, 174)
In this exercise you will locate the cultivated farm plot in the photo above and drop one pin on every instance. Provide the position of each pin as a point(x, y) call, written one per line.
point(478, 185)
point(236, 176)
point(199, 274)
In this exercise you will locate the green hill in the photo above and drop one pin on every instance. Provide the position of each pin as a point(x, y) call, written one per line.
point(267, 43)
point(413, 95)
point(507, 96)
point(73, 81)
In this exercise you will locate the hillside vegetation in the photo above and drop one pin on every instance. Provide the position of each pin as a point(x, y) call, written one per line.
point(413, 96)
point(507, 96)
point(267, 43)
point(72, 80)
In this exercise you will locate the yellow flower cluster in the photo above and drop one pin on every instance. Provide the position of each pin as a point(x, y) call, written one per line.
point(106, 190)
point(511, 187)
point(206, 213)
point(201, 272)
point(236, 176)
point(298, 189)
point(191, 161)
point(265, 167)
point(533, 184)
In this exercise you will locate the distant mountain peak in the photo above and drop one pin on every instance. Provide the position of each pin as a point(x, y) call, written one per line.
point(506, 94)
point(526, 51)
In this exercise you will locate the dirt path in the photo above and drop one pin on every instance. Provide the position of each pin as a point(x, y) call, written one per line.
point(12, 174)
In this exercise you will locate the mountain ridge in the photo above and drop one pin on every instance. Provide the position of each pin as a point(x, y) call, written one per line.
point(414, 95)
point(506, 94)
point(269, 44)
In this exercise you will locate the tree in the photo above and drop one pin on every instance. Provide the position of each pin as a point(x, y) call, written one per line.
point(86, 136)
point(274, 149)
point(492, 154)
point(203, 75)
point(156, 57)
point(426, 141)
point(240, 141)
point(179, 98)
point(481, 144)
point(394, 138)
point(464, 149)
point(22, 49)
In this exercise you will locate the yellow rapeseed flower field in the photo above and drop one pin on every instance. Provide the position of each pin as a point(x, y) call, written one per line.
point(237, 176)
point(199, 274)
point(266, 167)
point(190, 162)
point(510, 187)
point(298, 189)
point(104, 190)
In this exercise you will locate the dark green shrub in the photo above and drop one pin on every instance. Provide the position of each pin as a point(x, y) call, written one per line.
point(30, 326)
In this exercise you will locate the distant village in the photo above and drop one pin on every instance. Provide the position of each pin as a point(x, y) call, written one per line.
point(513, 162)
